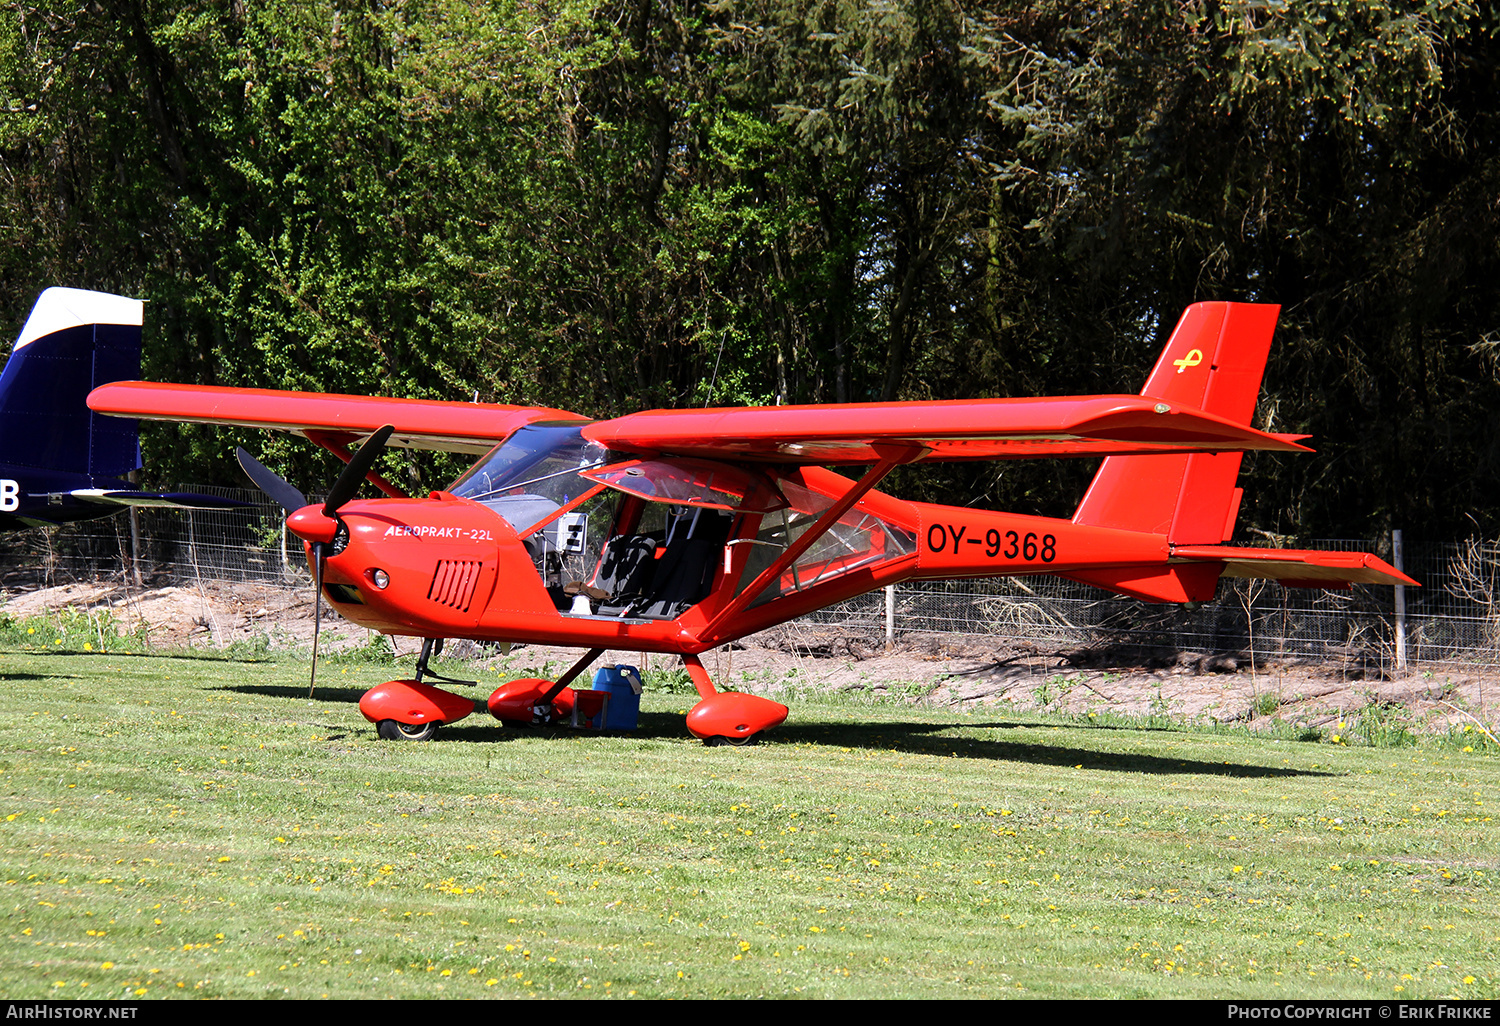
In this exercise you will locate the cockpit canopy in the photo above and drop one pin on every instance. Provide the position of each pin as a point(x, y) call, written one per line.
point(544, 467)
point(548, 482)
point(534, 473)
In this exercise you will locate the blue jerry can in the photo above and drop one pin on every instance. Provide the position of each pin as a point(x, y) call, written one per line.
point(623, 683)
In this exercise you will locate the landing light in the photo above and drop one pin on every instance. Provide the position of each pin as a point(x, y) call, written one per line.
point(381, 579)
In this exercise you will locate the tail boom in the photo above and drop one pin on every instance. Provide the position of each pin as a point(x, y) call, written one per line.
point(957, 542)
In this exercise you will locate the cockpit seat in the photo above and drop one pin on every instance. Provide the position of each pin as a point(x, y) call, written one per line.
point(626, 568)
point(659, 587)
point(685, 572)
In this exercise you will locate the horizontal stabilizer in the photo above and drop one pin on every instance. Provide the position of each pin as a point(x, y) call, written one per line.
point(1298, 568)
point(178, 500)
point(1195, 571)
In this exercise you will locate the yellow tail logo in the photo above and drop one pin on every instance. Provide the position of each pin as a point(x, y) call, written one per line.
point(1192, 359)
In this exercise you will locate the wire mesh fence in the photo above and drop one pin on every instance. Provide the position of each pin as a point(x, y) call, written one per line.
point(1251, 617)
point(163, 545)
point(1453, 618)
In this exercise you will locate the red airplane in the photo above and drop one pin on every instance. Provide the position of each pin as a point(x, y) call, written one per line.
point(677, 531)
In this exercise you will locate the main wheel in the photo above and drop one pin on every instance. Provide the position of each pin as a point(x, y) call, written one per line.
point(393, 730)
point(733, 742)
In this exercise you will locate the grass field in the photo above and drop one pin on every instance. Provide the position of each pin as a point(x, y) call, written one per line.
point(196, 827)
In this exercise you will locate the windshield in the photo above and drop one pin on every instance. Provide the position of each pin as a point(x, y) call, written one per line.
point(533, 473)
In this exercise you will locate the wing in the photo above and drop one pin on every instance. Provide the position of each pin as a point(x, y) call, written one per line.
point(973, 429)
point(472, 428)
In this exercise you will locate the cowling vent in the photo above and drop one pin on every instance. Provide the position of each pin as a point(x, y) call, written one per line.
point(453, 583)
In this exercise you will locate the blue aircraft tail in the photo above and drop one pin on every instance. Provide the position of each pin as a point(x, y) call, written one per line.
point(59, 460)
point(73, 341)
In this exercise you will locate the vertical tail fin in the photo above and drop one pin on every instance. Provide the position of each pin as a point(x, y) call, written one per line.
point(73, 341)
point(1214, 362)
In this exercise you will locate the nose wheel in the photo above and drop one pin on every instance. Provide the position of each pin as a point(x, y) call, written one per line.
point(408, 710)
point(721, 741)
point(394, 730)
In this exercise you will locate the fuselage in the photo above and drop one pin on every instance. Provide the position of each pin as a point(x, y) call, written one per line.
point(553, 540)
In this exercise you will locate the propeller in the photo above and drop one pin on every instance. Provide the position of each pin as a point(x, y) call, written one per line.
point(273, 484)
point(316, 524)
point(354, 473)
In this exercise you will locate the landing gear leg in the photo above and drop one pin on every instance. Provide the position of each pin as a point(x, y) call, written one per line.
point(533, 702)
point(728, 718)
point(432, 648)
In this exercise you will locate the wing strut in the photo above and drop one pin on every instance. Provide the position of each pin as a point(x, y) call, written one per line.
point(337, 442)
point(892, 455)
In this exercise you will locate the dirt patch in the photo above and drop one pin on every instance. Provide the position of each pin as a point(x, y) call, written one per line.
point(935, 669)
point(214, 614)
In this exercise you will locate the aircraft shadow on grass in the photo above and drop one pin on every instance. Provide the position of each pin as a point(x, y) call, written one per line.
point(921, 739)
point(189, 656)
point(905, 737)
point(332, 694)
point(22, 677)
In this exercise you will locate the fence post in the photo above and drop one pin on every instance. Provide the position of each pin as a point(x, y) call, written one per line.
point(1398, 560)
point(135, 546)
point(134, 477)
point(890, 616)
